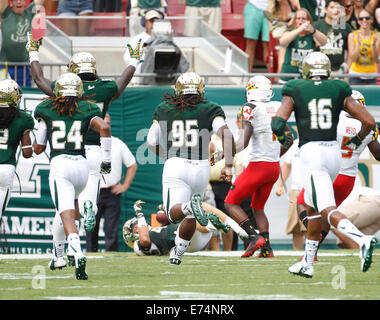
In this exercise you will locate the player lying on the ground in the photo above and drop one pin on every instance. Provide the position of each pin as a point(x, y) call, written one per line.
point(145, 240)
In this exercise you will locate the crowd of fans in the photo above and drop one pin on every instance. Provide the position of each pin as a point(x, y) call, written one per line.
point(345, 30)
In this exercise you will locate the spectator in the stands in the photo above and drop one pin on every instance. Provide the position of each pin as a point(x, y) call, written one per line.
point(299, 41)
point(363, 51)
point(209, 10)
point(137, 10)
point(107, 5)
point(357, 6)
point(281, 18)
point(72, 9)
point(255, 23)
point(150, 17)
point(16, 22)
point(335, 27)
point(315, 7)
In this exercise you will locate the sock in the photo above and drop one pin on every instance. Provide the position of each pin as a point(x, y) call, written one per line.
point(59, 248)
point(74, 244)
point(347, 228)
point(311, 247)
point(77, 224)
point(181, 244)
point(247, 226)
point(303, 218)
point(186, 208)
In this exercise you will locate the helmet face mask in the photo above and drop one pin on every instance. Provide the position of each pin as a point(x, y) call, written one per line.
point(68, 85)
point(10, 93)
point(189, 83)
point(82, 62)
point(316, 64)
point(259, 88)
point(129, 235)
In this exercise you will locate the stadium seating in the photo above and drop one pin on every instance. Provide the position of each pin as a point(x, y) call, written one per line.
point(176, 7)
point(226, 6)
point(108, 27)
point(233, 28)
point(238, 6)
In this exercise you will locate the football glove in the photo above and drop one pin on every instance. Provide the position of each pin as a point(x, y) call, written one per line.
point(215, 157)
point(375, 133)
point(105, 167)
point(31, 44)
point(138, 209)
point(285, 140)
point(135, 54)
point(354, 142)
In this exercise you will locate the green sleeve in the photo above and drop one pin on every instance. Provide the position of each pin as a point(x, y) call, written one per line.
point(29, 122)
point(345, 88)
point(95, 110)
point(6, 12)
point(53, 85)
point(216, 111)
point(156, 114)
point(110, 86)
point(31, 9)
point(287, 89)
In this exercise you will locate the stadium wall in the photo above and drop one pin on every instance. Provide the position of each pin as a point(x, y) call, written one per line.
point(28, 219)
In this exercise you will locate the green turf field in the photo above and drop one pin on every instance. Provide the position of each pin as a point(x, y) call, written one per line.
point(119, 276)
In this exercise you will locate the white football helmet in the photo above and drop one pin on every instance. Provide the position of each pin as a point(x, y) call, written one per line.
point(189, 83)
point(68, 85)
point(259, 88)
point(316, 64)
point(358, 97)
point(128, 235)
point(82, 62)
point(10, 93)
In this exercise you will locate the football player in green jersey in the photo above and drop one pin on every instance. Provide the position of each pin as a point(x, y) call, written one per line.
point(185, 122)
point(64, 120)
point(15, 125)
point(146, 241)
point(103, 92)
point(317, 102)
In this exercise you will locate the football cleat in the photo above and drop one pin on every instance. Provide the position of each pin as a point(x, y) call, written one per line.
point(218, 224)
point(316, 64)
point(256, 243)
point(80, 268)
point(89, 216)
point(57, 263)
point(176, 256)
point(197, 209)
point(266, 252)
point(71, 260)
point(302, 270)
point(366, 250)
point(10, 93)
point(68, 85)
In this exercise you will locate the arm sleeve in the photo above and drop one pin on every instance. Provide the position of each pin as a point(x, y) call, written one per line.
point(217, 123)
point(41, 132)
point(154, 134)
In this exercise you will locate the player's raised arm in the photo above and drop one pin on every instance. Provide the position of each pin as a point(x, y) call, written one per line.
point(42, 83)
point(127, 75)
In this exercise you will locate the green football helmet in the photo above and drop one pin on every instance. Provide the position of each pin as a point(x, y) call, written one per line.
point(189, 83)
point(316, 64)
point(10, 93)
point(68, 85)
point(82, 62)
point(128, 235)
